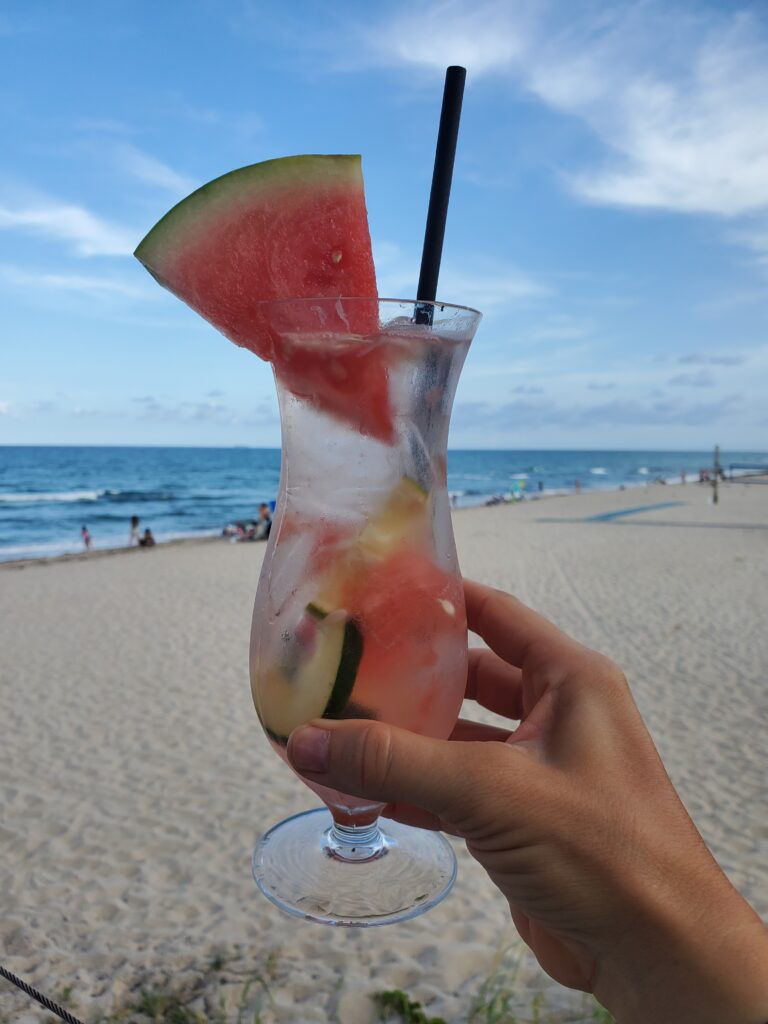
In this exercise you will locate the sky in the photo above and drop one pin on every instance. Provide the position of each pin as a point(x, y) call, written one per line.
point(609, 210)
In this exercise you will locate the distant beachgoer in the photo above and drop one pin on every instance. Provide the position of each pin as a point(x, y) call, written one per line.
point(133, 538)
point(86, 535)
point(577, 486)
point(541, 486)
point(147, 541)
point(264, 524)
point(682, 476)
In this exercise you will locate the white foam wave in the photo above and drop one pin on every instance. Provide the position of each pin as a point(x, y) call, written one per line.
point(38, 550)
point(30, 497)
point(599, 471)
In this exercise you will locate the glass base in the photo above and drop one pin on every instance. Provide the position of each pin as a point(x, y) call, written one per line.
point(353, 877)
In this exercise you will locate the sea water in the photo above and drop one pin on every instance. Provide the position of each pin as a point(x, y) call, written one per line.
point(48, 493)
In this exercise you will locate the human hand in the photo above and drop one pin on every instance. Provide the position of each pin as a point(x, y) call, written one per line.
point(575, 820)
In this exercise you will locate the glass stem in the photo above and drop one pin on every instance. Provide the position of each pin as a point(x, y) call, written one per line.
point(355, 843)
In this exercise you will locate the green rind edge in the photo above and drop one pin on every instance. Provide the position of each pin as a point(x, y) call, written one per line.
point(351, 654)
point(344, 683)
point(280, 172)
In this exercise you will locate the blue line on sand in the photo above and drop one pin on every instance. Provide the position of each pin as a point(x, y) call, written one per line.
point(605, 517)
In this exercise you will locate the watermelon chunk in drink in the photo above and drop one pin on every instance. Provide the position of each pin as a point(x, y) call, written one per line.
point(284, 229)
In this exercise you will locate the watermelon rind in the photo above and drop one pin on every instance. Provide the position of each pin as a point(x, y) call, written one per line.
point(215, 196)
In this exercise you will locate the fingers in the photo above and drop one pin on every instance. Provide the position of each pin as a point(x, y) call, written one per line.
point(407, 814)
point(390, 765)
point(494, 684)
point(511, 629)
point(467, 731)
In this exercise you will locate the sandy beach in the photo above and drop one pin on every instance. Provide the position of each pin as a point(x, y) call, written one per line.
point(134, 777)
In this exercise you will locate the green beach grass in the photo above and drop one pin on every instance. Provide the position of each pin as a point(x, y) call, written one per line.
point(222, 992)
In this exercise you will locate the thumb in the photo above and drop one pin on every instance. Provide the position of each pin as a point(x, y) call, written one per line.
point(389, 765)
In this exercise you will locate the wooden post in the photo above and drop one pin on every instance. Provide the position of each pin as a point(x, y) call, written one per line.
point(716, 479)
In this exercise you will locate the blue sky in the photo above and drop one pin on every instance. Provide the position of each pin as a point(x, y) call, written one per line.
point(609, 212)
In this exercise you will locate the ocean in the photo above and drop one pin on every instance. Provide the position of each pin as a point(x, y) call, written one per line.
point(48, 493)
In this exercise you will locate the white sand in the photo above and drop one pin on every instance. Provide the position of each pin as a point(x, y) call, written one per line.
point(134, 777)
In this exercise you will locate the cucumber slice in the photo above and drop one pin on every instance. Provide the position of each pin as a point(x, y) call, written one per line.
point(319, 687)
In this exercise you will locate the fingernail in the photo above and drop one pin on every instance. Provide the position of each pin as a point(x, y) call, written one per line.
point(310, 749)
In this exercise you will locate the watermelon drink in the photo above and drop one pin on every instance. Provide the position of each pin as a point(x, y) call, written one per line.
point(359, 611)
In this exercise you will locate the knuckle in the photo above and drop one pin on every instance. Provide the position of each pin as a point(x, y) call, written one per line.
point(375, 758)
point(480, 778)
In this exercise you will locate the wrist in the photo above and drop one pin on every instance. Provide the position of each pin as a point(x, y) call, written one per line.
point(696, 966)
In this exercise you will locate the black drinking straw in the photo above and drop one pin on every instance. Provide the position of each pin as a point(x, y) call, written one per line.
point(445, 154)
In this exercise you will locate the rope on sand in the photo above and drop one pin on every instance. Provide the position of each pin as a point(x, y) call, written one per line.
point(43, 1000)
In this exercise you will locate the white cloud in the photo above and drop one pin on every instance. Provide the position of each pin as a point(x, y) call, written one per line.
point(488, 292)
point(683, 123)
point(425, 34)
point(83, 283)
point(89, 235)
point(149, 169)
point(692, 141)
point(492, 287)
point(5, 408)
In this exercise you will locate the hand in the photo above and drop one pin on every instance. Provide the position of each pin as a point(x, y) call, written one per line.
point(575, 820)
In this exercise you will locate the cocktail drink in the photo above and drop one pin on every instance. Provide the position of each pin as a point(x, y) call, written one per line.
point(359, 611)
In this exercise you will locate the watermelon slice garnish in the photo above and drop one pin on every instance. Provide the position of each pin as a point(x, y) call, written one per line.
point(294, 228)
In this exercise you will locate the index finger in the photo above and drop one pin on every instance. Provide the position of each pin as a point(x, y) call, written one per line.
point(511, 629)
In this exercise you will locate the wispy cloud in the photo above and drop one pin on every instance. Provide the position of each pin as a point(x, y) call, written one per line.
point(684, 125)
point(152, 171)
point(487, 37)
point(83, 283)
point(755, 238)
point(598, 385)
point(5, 408)
point(244, 123)
point(88, 234)
point(108, 125)
point(521, 414)
point(491, 287)
point(702, 379)
point(711, 359)
point(153, 408)
point(207, 410)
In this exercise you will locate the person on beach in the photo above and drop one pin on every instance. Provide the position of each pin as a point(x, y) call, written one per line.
point(147, 541)
point(264, 523)
point(574, 818)
point(85, 533)
point(134, 536)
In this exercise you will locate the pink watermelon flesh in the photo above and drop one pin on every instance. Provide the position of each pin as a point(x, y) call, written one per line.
point(283, 229)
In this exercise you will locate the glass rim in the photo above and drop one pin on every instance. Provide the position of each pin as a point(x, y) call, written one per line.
point(435, 304)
